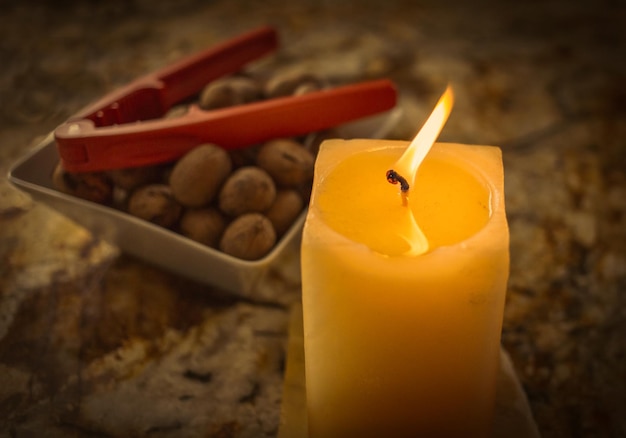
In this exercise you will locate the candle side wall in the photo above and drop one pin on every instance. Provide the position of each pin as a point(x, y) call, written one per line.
point(413, 339)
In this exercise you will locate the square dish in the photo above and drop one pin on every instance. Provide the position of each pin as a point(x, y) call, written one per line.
point(168, 249)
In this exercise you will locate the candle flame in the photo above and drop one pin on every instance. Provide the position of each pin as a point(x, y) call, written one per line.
point(410, 161)
point(408, 164)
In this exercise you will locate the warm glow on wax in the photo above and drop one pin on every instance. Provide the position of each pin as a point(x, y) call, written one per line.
point(411, 232)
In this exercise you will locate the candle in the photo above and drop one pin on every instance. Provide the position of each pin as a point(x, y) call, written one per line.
point(403, 290)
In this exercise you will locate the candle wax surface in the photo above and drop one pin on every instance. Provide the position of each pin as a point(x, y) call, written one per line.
point(403, 345)
point(448, 203)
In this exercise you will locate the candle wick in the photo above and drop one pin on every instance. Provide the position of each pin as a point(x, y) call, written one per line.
point(394, 178)
point(405, 198)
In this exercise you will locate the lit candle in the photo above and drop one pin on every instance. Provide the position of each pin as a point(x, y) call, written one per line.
point(404, 286)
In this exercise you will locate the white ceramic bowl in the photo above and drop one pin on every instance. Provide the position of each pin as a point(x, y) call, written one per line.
point(166, 248)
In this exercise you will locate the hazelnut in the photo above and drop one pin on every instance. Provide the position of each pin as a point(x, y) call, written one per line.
point(155, 204)
point(284, 210)
point(176, 111)
point(249, 237)
point(229, 91)
point(248, 189)
point(306, 87)
point(92, 186)
point(286, 83)
point(287, 161)
point(131, 178)
point(204, 225)
point(198, 175)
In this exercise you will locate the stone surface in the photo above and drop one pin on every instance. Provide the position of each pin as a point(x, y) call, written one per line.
point(93, 342)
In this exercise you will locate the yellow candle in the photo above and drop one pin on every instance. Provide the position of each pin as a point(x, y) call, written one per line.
point(397, 344)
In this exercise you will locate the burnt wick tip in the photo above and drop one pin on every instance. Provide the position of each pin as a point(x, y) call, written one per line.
point(394, 178)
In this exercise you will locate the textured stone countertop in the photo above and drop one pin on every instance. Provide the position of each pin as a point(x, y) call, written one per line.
point(96, 343)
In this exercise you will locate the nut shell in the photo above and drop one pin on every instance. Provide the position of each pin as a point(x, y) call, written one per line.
point(198, 175)
point(249, 237)
point(131, 178)
point(204, 225)
point(92, 186)
point(287, 162)
point(285, 210)
point(155, 204)
point(176, 111)
point(229, 92)
point(249, 189)
point(291, 82)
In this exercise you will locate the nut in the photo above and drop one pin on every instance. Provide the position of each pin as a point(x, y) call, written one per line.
point(199, 174)
point(286, 83)
point(287, 161)
point(249, 237)
point(284, 210)
point(92, 186)
point(248, 189)
point(155, 204)
point(131, 178)
point(306, 87)
point(228, 92)
point(204, 225)
point(176, 111)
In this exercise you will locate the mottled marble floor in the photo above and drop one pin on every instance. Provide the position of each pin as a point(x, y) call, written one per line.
point(97, 343)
